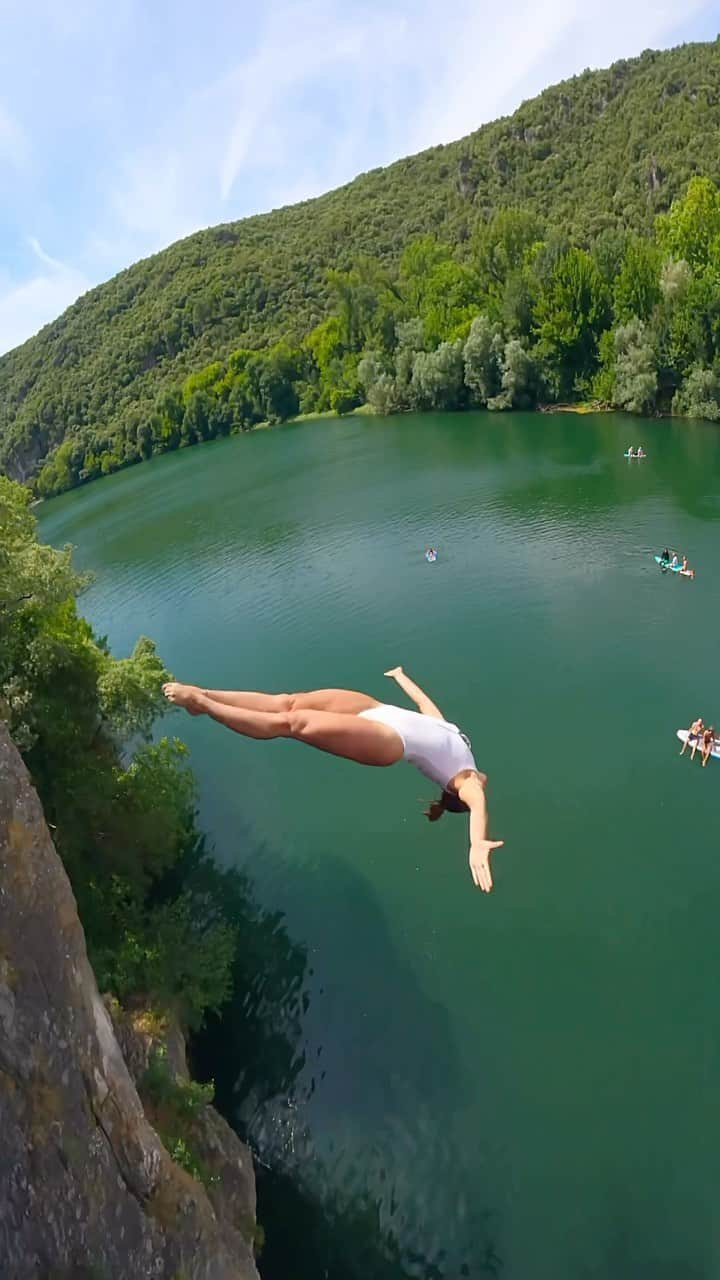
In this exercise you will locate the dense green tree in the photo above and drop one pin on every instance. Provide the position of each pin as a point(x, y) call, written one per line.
point(196, 420)
point(451, 300)
point(205, 379)
point(521, 381)
point(32, 577)
point(277, 396)
point(172, 953)
point(545, 257)
point(437, 377)
point(675, 278)
point(699, 396)
point(366, 304)
point(378, 384)
point(169, 413)
point(482, 355)
point(332, 362)
point(636, 289)
point(410, 341)
point(384, 396)
point(122, 808)
point(144, 439)
point(129, 691)
point(518, 301)
point(608, 250)
point(571, 314)
point(691, 326)
point(691, 230)
point(635, 383)
point(419, 260)
point(500, 249)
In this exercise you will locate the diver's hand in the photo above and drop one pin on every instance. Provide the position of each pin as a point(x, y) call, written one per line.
point(394, 672)
point(480, 862)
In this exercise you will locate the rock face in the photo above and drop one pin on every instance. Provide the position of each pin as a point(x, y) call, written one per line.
point(226, 1159)
point(86, 1186)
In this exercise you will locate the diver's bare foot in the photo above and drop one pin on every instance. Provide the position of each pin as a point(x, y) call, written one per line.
point(184, 695)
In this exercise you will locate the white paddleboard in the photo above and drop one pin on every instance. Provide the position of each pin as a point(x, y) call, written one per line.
point(715, 753)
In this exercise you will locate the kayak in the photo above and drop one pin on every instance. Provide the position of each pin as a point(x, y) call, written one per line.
point(676, 568)
point(715, 753)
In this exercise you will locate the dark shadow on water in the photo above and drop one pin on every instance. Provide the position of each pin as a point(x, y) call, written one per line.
point(391, 1203)
point(626, 1257)
point(260, 1030)
point(343, 1238)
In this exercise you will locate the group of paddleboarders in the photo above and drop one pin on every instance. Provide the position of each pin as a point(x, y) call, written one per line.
point(635, 453)
point(671, 560)
point(700, 736)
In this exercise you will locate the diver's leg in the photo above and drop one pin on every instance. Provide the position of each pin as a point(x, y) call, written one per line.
point(344, 701)
point(340, 734)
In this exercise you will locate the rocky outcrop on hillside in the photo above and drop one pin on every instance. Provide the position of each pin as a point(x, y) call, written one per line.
point(86, 1186)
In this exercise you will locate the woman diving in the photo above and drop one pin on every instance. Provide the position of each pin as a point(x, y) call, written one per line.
point(358, 727)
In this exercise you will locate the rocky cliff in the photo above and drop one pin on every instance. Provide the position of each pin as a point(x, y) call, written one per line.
point(86, 1186)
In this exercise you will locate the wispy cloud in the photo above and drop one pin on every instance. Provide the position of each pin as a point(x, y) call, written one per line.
point(488, 67)
point(287, 121)
point(27, 305)
point(307, 90)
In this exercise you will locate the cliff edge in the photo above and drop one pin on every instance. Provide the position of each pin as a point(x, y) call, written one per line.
point(86, 1186)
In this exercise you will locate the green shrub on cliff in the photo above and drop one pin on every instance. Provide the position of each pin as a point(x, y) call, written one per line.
point(172, 1103)
point(122, 818)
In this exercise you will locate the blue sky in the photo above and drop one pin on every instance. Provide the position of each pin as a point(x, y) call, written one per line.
point(127, 124)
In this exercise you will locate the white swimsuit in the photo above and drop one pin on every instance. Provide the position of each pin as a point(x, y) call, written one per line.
point(436, 747)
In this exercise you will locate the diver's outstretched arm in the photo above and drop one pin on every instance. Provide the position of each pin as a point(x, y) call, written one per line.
point(472, 793)
point(425, 705)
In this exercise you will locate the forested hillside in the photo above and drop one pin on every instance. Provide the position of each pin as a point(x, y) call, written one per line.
point(424, 241)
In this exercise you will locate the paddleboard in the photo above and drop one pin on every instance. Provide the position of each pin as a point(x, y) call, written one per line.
point(676, 568)
point(639, 456)
point(715, 753)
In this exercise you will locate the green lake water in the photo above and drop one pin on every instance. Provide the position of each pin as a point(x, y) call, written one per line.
point(526, 1084)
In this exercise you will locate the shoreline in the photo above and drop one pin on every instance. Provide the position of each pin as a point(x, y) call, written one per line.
point(362, 411)
point(581, 408)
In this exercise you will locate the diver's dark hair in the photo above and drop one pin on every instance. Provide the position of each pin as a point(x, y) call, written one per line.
point(435, 810)
point(449, 802)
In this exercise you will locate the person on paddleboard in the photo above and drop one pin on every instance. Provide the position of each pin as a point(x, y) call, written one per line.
point(358, 727)
point(689, 573)
point(665, 554)
point(708, 742)
point(693, 736)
